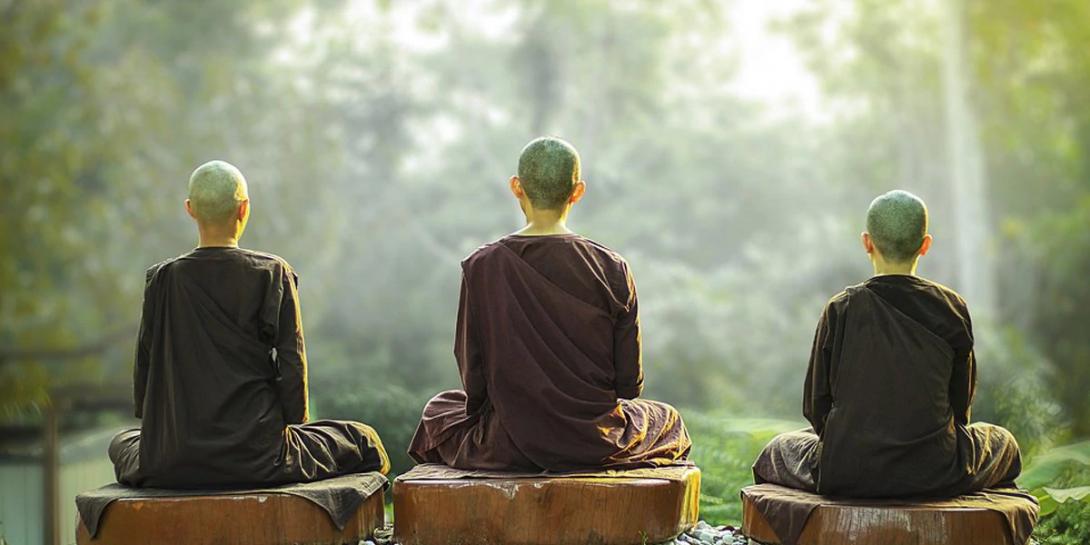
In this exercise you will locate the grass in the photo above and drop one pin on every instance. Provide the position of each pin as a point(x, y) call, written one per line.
point(724, 448)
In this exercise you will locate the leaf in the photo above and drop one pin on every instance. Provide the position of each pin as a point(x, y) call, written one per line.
point(1061, 495)
point(1047, 467)
point(1048, 505)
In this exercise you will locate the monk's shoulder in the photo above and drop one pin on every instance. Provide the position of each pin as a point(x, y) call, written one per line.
point(946, 291)
point(602, 249)
point(838, 303)
point(266, 261)
point(265, 257)
point(605, 255)
point(154, 271)
point(482, 253)
point(844, 296)
point(948, 296)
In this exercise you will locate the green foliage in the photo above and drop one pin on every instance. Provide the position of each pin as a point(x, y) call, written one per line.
point(1060, 246)
point(1061, 495)
point(1052, 467)
point(724, 448)
point(1060, 479)
point(1069, 524)
point(1013, 390)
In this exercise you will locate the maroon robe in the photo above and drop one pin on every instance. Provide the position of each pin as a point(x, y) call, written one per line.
point(548, 345)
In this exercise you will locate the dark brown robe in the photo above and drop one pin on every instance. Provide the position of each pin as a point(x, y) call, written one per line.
point(888, 392)
point(220, 382)
point(548, 345)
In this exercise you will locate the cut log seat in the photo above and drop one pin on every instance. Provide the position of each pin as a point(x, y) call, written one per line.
point(261, 517)
point(436, 505)
point(988, 518)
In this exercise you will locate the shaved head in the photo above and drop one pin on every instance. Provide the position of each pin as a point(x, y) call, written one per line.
point(897, 223)
point(216, 189)
point(548, 171)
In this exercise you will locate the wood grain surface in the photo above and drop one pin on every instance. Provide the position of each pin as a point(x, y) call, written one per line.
point(544, 511)
point(259, 519)
point(851, 525)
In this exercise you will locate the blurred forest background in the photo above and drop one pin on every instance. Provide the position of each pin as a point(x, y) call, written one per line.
point(730, 148)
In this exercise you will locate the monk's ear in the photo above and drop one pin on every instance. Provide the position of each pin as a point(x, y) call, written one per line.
point(189, 209)
point(925, 246)
point(244, 210)
point(868, 244)
point(577, 192)
point(516, 187)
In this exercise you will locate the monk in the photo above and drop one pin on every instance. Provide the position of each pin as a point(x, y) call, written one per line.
point(221, 370)
point(890, 383)
point(548, 346)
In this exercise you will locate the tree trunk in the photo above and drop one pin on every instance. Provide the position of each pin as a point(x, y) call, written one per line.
point(976, 265)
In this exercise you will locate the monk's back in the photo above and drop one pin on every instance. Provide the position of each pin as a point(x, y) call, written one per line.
point(892, 428)
point(210, 400)
point(547, 310)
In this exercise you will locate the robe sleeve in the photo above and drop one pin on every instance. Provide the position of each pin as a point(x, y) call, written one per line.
point(817, 396)
point(467, 351)
point(143, 348)
point(291, 355)
point(627, 351)
point(963, 384)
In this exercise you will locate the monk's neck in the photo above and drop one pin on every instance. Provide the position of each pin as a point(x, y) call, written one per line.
point(545, 222)
point(212, 239)
point(908, 269)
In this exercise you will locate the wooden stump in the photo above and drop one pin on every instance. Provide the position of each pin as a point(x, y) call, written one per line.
point(545, 510)
point(886, 525)
point(242, 519)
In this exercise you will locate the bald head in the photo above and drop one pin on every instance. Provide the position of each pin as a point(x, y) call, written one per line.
point(216, 189)
point(548, 171)
point(897, 223)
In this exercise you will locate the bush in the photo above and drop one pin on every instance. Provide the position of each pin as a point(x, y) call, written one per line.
point(1060, 479)
point(724, 448)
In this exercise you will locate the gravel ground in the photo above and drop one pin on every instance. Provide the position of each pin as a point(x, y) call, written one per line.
point(701, 534)
point(705, 534)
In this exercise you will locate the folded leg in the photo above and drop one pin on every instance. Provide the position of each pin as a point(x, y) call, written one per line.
point(328, 448)
point(791, 460)
point(124, 452)
point(447, 435)
point(654, 435)
point(997, 460)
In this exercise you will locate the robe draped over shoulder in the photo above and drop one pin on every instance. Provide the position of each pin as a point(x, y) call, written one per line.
point(888, 394)
point(548, 348)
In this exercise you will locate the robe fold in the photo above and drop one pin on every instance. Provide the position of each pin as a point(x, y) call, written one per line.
point(888, 394)
point(548, 348)
point(220, 382)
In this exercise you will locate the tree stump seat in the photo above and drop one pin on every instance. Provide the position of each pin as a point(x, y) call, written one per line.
point(437, 505)
point(243, 518)
point(967, 520)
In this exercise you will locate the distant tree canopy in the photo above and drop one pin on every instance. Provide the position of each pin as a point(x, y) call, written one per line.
point(377, 137)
